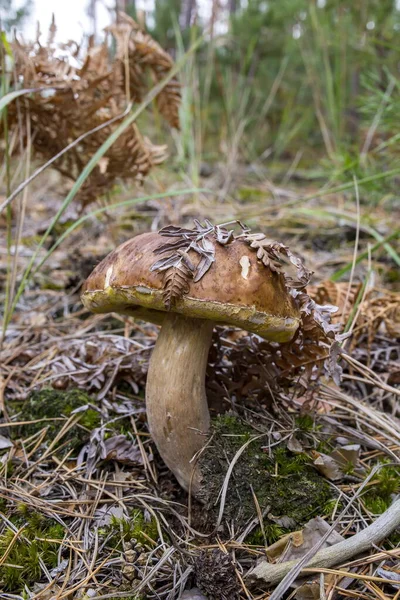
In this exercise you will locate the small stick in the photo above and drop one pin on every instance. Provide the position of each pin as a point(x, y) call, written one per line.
point(271, 574)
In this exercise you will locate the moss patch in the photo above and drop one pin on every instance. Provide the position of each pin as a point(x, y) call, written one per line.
point(135, 530)
point(52, 404)
point(37, 543)
point(285, 484)
point(379, 496)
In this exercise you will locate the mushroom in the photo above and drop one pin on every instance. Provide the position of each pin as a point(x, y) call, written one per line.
point(233, 288)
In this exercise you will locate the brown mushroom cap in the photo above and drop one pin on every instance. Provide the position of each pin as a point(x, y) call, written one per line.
point(237, 290)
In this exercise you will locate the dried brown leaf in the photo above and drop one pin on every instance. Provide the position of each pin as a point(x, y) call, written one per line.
point(298, 543)
point(328, 466)
point(121, 449)
point(345, 455)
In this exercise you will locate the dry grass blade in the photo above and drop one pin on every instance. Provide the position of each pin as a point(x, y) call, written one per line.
point(137, 52)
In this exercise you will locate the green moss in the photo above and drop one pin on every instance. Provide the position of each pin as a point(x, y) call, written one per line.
point(324, 446)
point(283, 483)
point(332, 505)
point(229, 425)
point(392, 275)
point(393, 541)
point(7, 469)
point(35, 544)
point(306, 423)
point(378, 498)
point(135, 529)
point(272, 532)
point(53, 404)
point(348, 468)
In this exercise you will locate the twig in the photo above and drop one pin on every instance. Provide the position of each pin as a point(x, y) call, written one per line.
point(343, 551)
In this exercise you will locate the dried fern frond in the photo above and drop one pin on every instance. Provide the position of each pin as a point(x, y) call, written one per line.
point(141, 54)
point(340, 294)
point(176, 284)
point(380, 311)
point(78, 96)
point(379, 307)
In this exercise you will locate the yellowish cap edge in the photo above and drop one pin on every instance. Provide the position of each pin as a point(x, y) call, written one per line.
point(147, 303)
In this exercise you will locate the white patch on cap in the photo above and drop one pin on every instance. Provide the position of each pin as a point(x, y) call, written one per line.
point(108, 277)
point(245, 264)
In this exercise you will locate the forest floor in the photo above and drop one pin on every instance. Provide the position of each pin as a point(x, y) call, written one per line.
point(87, 509)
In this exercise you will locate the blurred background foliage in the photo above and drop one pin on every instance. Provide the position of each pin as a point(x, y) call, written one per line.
point(309, 83)
point(14, 14)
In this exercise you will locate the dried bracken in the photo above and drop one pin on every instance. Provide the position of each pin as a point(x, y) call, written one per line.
point(176, 255)
point(138, 54)
point(379, 308)
point(176, 263)
point(380, 311)
point(72, 97)
point(176, 284)
point(340, 294)
point(272, 255)
point(254, 367)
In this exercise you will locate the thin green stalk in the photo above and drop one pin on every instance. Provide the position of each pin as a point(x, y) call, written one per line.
point(109, 208)
point(335, 190)
point(350, 217)
point(354, 309)
point(343, 270)
point(11, 96)
point(3, 116)
point(329, 86)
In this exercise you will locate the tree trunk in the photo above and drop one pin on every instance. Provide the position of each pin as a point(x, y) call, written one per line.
point(232, 7)
point(188, 10)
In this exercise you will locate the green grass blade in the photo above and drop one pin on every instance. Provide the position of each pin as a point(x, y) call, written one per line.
point(317, 212)
point(11, 96)
point(339, 188)
point(354, 309)
point(343, 270)
point(109, 208)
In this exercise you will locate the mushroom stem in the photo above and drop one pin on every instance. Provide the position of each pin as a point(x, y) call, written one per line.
point(176, 402)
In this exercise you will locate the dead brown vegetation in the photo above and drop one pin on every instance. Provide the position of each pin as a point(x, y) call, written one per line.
point(72, 95)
